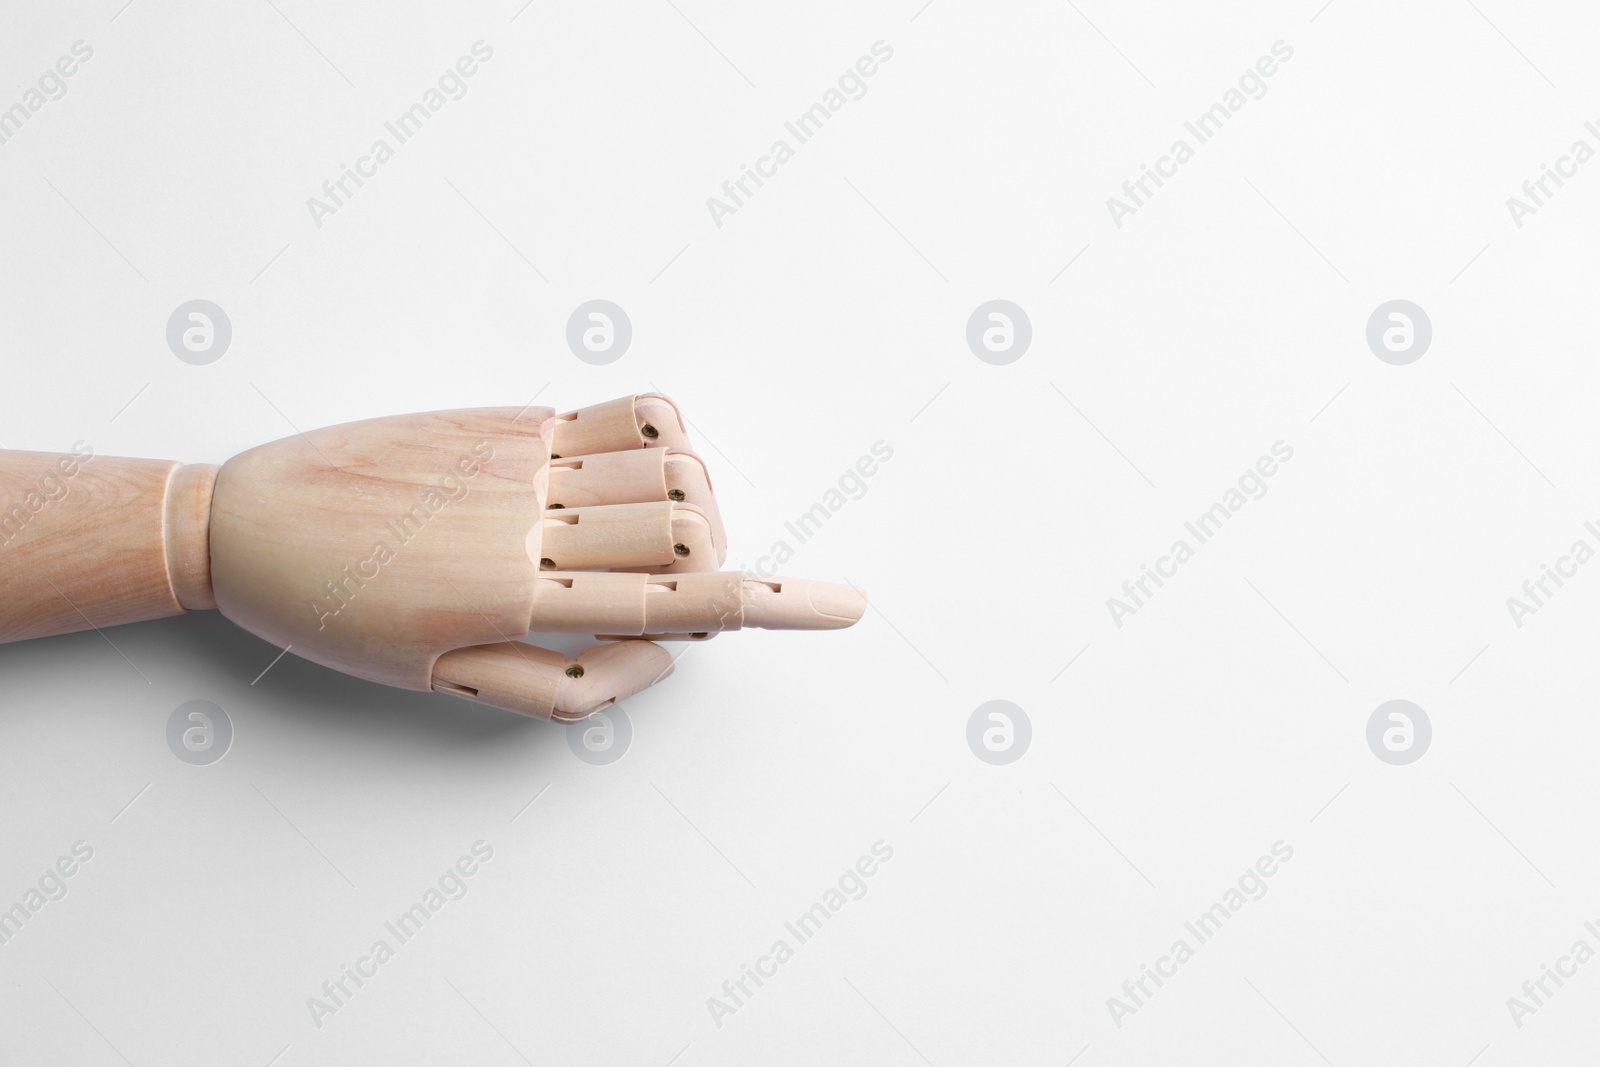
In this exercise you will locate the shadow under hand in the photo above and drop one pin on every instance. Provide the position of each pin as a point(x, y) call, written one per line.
point(321, 700)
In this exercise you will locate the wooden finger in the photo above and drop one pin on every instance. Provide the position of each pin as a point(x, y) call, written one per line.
point(543, 684)
point(688, 605)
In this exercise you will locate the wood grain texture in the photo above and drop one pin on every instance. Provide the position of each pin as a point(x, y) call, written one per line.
point(375, 546)
point(96, 541)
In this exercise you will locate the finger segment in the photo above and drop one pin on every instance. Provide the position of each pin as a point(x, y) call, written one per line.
point(645, 420)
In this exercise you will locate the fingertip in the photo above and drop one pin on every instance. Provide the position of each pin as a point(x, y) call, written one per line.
point(845, 603)
point(799, 604)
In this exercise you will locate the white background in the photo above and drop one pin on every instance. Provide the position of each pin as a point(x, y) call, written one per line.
point(827, 314)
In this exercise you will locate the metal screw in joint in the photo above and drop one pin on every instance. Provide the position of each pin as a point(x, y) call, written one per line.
point(675, 494)
point(681, 549)
point(547, 564)
point(574, 671)
point(650, 431)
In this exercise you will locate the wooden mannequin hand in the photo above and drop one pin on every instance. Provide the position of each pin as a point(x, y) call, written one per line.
point(412, 551)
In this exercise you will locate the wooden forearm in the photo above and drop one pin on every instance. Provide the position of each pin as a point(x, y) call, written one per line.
point(95, 541)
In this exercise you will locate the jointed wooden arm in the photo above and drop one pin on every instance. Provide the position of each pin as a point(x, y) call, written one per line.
point(411, 550)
